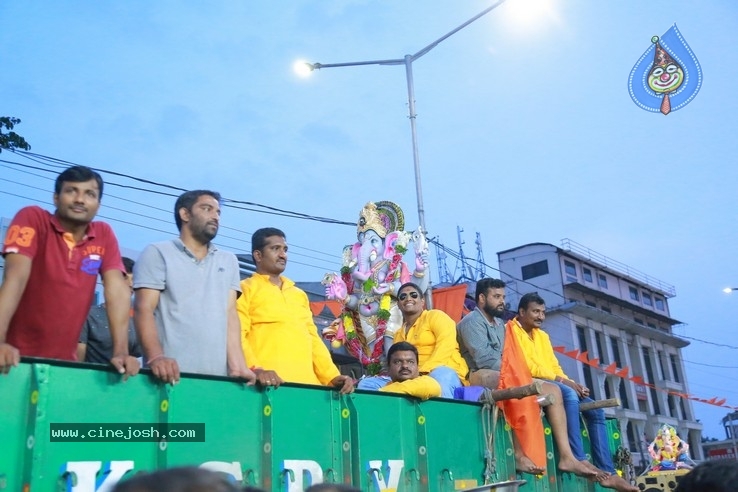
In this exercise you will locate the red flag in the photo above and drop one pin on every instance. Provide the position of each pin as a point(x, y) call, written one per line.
point(524, 415)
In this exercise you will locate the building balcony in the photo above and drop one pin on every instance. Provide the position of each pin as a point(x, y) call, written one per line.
point(670, 385)
point(619, 322)
point(611, 299)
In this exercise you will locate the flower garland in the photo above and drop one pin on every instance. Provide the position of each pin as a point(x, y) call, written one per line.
point(354, 344)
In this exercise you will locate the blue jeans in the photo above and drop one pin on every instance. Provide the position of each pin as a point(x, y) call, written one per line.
point(446, 377)
point(373, 383)
point(595, 420)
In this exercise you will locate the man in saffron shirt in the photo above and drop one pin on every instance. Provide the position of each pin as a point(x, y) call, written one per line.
point(278, 335)
point(51, 267)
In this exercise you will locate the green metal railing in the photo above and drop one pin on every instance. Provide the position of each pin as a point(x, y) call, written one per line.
point(283, 439)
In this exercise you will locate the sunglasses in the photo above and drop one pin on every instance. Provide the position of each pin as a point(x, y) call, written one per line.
point(404, 295)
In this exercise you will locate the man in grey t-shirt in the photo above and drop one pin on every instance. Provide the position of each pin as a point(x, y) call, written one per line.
point(185, 301)
point(481, 334)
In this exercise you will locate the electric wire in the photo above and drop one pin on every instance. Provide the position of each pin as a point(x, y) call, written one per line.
point(60, 163)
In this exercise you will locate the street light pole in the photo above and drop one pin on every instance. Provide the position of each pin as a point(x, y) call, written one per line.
point(408, 62)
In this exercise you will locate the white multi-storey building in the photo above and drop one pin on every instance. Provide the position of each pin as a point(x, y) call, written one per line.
point(618, 315)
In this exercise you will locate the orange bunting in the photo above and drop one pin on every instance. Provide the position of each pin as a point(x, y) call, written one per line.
point(583, 357)
point(574, 354)
point(334, 307)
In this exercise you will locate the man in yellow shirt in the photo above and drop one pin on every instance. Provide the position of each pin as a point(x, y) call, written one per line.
point(433, 333)
point(402, 362)
point(541, 359)
point(278, 335)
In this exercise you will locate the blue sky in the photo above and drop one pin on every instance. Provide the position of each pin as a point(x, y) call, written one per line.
point(526, 130)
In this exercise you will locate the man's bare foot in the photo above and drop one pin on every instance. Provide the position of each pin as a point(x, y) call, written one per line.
point(618, 483)
point(577, 468)
point(523, 464)
point(600, 474)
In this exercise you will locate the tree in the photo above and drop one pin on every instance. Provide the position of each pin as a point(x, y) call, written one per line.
point(11, 140)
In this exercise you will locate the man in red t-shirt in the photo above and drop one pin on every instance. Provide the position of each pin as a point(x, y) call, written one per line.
point(51, 267)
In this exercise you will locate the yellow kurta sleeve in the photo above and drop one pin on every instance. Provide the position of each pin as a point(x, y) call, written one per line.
point(434, 335)
point(323, 366)
point(538, 363)
point(543, 343)
point(278, 333)
point(422, 387)
point(445, 347)
point(243, 304)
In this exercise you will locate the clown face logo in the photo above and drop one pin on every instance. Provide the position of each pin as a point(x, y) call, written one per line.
point(665, 79)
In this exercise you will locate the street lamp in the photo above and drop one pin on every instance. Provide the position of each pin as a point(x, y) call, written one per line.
point(728, 290)
point(304, 68)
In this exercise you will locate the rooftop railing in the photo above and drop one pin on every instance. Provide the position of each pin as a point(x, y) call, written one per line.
point(581, 250)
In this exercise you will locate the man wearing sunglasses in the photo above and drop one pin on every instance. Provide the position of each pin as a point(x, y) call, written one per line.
point(433, 333)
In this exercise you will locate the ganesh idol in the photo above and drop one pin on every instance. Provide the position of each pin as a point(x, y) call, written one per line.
point(372, 272)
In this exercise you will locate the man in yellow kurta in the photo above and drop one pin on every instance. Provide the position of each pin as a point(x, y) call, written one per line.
point(402, 363)
point(433, 333)
point(278, 335)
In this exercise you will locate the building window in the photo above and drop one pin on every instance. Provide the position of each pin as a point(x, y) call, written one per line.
point(616, 352)
point(590, 304)
point(602, 280)
point(633, 293)
point(623, 394)
point(684, 409)
point(587, 274)
point(662, 367)
point(660, 304)
point(606, 309)
point(601, 348)
point(633, 441)
point(638, 320)
point(571, 271)
point(647, 299)
point(675, 368)
point(587, 370)
point(651, 325)
point(651, 379)
point(535, 269)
